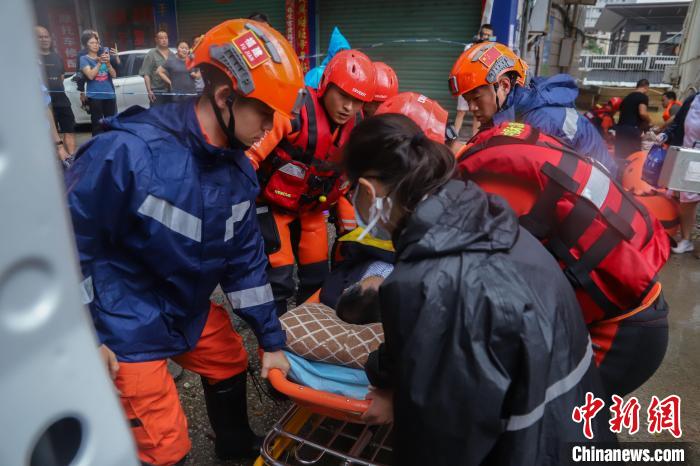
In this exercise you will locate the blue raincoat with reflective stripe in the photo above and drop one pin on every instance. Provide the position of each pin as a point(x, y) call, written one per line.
point(160, 218)
point(549, 104)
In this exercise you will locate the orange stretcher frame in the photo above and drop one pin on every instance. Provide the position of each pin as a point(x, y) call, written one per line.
point(313, 411)
point(320, 402)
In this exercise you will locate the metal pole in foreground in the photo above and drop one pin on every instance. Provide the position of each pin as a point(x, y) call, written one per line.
point(58, 405)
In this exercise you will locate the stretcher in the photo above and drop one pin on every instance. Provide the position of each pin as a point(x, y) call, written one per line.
point(322, 428)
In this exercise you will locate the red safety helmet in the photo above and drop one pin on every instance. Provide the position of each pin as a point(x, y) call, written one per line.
point(615, 103)
point(352, 72)
point(425, 112)
point(261, 63)
point(387, 82)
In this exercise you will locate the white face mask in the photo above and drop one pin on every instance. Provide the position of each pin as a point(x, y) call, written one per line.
point(380, 209)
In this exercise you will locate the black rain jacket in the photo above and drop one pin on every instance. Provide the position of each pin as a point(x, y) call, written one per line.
point(485, 345)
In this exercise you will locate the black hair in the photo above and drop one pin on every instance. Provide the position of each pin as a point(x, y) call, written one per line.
point(87, 35)
point(182, 41)
point(257, 16)
point(513, 76)
point(400, 155)
point(642, 83)
point(213, 77)
point(670, 95)
point(359, 306)
point(485, 26)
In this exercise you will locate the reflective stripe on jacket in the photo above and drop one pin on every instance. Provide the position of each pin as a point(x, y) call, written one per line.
point(160, 218)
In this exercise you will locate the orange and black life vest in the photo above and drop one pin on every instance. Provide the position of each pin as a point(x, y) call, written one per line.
point(667, 111)
point(304, 174)
point(607, 243)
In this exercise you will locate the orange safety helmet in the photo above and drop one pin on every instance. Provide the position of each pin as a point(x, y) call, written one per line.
point(351, 71)
point(631, 178)
point(261, 63)
point(387, 82)
point(615, 103)
point(483, 64)
point(425, 112)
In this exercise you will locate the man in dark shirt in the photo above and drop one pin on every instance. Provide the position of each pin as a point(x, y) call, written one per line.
point(634, 119)
point(155, 86)
point(53, 76)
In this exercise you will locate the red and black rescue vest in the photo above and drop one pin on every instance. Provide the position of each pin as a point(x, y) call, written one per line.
point(607, 244)
point(304, 175)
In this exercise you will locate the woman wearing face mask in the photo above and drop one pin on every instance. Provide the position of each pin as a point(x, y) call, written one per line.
point(486, 354)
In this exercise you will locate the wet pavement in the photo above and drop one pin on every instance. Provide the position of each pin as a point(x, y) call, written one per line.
point(680, 371)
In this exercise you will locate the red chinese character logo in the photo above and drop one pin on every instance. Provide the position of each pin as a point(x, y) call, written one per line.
point(251, 48)
point(665, 415)
point(587, 412)
point(624, 415)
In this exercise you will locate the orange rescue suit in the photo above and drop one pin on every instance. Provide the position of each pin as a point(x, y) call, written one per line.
point(300, 178)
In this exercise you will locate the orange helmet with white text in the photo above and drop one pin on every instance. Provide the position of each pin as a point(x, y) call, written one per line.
point(261, 63)
point(483, 64)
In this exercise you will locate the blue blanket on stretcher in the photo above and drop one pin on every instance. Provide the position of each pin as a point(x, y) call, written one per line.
point(331, 378)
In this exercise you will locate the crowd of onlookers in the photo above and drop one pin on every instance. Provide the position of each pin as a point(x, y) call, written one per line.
point(165, 74)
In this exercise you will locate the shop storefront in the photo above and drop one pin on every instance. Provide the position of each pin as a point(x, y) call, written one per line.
point(419, 39)
point(127, 24)
point(64, 21)
point(195, 17)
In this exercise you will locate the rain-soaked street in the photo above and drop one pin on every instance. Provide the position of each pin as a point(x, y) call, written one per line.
point(680, 371)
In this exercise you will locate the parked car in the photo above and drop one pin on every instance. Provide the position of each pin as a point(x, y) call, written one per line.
point(128, 85)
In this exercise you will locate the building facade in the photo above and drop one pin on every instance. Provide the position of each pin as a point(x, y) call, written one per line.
point(420, 40)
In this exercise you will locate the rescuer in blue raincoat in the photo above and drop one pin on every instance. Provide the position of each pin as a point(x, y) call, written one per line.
point(163, 208)
point(493, 80)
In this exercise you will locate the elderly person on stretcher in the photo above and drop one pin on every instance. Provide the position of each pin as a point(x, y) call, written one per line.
point(330, 336)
